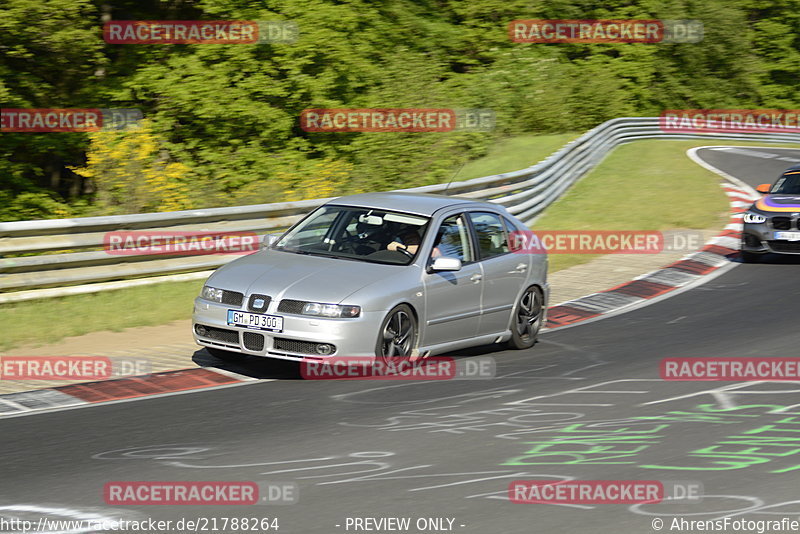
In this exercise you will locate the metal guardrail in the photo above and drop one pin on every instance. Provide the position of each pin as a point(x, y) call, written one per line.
point(81, 268)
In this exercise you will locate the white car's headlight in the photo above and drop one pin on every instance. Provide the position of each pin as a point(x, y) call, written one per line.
point(211, 293)
point(330, 310)
point(754, 218)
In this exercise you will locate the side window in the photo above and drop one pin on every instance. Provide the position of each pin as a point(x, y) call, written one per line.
point(452, 240)
point(492, 239)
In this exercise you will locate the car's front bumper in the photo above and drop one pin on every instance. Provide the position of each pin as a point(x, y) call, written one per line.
point(759, 238)
point(351, 337)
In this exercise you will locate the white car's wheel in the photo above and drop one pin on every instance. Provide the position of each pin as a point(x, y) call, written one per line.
point(397, 338)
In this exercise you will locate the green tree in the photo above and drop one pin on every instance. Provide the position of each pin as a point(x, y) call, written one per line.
point(132, 174)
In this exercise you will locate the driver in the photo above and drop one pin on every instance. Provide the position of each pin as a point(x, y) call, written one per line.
point(407, 240)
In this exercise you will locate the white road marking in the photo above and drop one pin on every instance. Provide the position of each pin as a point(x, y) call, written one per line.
point(746, 152)
point(715, 392)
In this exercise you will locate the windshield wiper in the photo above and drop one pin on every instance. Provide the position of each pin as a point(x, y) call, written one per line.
point(325, 255)
point(328, 255)
point(317, 253)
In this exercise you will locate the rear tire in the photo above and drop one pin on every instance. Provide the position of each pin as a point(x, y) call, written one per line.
point(526, 319)
point(226, 355)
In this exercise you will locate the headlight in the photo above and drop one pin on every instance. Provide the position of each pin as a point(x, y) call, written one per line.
point(211, 293)
point(330, 310)
point(753, 217)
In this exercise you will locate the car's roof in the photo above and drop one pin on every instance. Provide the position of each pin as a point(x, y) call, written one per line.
point(416, 203)
point(792, 168)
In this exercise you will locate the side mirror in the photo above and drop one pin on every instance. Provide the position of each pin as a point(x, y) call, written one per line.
point(268, 240)
point(763, 188)
point(443, 263)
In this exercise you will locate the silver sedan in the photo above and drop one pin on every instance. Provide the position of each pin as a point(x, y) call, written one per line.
point(384, 275)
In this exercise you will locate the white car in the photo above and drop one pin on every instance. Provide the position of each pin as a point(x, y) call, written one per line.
point(385, 275)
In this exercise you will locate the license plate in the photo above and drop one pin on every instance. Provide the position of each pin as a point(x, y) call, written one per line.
point(787, 236)
point(256, 321)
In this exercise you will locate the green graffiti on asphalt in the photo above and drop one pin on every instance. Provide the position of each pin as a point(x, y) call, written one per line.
point(586, 444)
point(723, 457)
point(579, 446)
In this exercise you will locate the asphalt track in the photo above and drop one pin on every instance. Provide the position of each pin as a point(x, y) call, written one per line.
point(448, 449)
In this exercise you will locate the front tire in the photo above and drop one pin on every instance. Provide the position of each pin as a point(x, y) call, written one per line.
point(397, 337)
point(526, 319)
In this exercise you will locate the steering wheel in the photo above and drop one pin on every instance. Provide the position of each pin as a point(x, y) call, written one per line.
point(350, 241)
point(405, 251)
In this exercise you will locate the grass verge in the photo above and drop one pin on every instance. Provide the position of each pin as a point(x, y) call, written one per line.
point(514, 153)
point(49, 320)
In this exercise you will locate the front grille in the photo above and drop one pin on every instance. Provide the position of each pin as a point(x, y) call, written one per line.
point(782, 223)
point(253, 341)
point(220, 334)
point(293, 345)
point(291, 306)
point(232, 298)
point(256, 299)
point(785, 246)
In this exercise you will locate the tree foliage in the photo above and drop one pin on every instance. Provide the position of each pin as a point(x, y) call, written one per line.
point(223, 119)
point(130, 173)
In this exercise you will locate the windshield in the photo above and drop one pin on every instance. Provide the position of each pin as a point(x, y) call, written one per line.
point(788, 184)
point(356, 233)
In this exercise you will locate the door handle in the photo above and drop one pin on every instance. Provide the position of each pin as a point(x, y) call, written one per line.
point(521, 268)
point(475, 277)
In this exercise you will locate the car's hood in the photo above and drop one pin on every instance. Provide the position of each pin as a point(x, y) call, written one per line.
point(779, 202)
point(300, 277)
